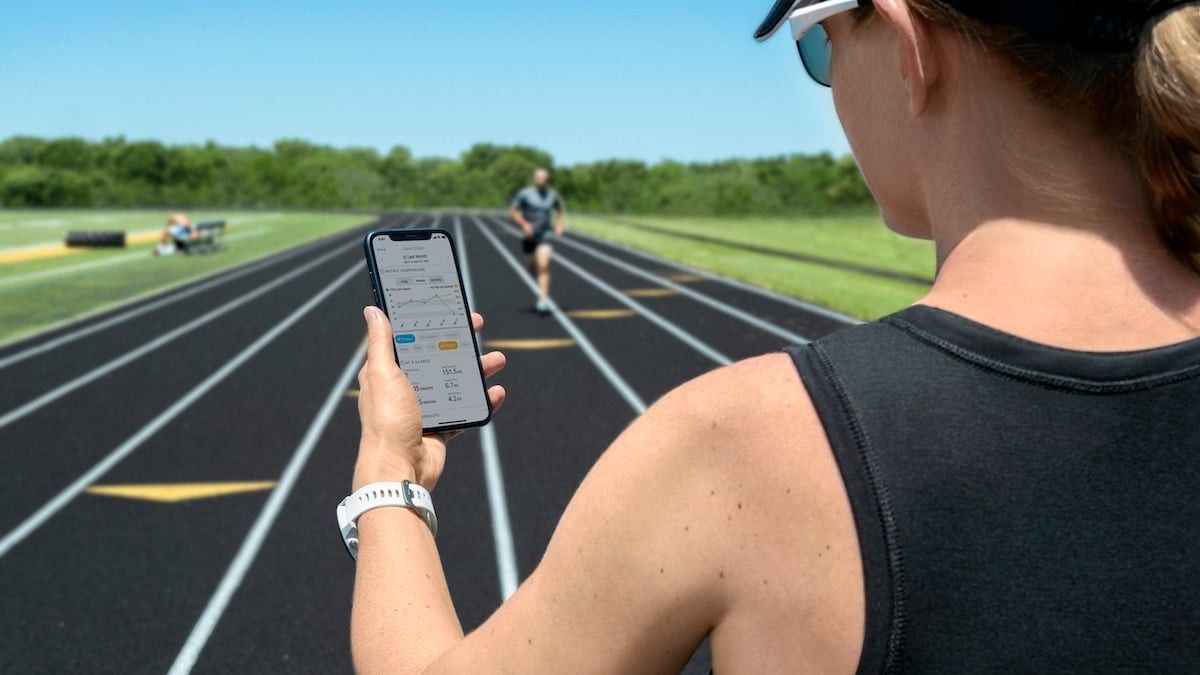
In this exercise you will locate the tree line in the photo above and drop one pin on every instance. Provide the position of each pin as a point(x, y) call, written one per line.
point(115, 172)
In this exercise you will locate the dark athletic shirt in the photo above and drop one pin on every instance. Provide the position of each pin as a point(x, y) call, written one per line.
point(1020, 508)
point(537, 206)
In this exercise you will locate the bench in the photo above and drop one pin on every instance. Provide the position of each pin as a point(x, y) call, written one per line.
point(208, 238)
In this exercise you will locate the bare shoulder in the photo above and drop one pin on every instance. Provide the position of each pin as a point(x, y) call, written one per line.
point(742, 452)
point(756, 419)
point(782, 530)
point(734, 463)
point(718, 512)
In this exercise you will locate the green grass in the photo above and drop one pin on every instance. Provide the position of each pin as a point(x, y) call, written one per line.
point(861, 240)
point(22, 228)
point(40, 293)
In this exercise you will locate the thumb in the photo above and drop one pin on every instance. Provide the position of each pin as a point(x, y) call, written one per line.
point(379, 339)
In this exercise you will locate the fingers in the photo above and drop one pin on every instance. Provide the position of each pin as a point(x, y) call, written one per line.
point(476, 321)
point(497, 395)
point(493, 362)
point(379, 341)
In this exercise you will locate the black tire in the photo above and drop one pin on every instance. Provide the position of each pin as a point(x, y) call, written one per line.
point(96, 239)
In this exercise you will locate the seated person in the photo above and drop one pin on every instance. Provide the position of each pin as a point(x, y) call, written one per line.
point(177, 234)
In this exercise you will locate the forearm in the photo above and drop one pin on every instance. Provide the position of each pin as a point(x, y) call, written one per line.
point(519, 220)
point(403, 618)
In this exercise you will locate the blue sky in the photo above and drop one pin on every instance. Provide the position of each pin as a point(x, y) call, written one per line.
point(583, 80)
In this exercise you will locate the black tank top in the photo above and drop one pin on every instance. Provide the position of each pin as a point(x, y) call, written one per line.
point(1020, 508)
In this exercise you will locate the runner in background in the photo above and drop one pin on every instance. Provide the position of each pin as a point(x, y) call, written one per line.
point(538, 209)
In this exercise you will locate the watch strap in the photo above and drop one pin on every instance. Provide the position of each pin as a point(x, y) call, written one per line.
point(405, 494)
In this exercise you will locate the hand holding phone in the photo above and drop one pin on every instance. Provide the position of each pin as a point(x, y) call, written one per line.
point(394, 446)
point(417, 283)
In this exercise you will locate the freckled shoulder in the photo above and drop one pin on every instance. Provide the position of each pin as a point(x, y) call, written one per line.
point(785, 548)
point(720, 511)
point(755, 406)
point(751, 432)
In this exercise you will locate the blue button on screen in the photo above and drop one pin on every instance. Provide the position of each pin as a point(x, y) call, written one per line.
point(405, 339)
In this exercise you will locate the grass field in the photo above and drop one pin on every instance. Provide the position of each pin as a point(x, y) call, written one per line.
point(39, 293)
point(821, 247)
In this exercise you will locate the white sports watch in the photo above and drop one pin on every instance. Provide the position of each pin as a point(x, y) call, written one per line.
point(406, 494)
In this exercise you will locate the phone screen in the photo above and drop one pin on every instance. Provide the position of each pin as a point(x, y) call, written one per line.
point(421, 291)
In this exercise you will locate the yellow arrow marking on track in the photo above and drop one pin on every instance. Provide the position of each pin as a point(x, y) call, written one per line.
point(178, 492)
point(526, 345)
point(650, 292)
point(352, 393)
point(601, 313)
point(685, 278)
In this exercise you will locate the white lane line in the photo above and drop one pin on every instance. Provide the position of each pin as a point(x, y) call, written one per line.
point(47, 511)
point(202, 283)
point(253, 542)
point(728, 281)
point(647, 313)
point(582, 340)
point(722, 307)
point(502, 534)
point(64, 389)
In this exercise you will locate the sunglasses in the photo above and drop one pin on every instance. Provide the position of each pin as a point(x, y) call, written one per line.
point(816, 51)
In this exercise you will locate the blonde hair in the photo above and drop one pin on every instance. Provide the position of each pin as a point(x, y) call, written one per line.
point(1157, 119)
point(1168, 137)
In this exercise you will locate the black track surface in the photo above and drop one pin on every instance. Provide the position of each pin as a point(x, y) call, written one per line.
point(116, 585)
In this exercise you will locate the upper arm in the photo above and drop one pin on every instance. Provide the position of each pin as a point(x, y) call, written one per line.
point(645, 560)
point(517, 201)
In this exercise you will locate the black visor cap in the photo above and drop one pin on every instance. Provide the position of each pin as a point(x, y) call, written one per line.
point(1094, 25)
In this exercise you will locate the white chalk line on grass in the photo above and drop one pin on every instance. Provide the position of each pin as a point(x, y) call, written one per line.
point(502, 533)
point(59, 501)
point(147, 347)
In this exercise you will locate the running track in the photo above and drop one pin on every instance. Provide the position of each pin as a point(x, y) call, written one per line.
point(247, 376)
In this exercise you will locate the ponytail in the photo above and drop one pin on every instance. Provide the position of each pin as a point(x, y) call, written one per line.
point(1168, 130)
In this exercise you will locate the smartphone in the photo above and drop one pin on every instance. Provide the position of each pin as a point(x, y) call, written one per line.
point(416, 280)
